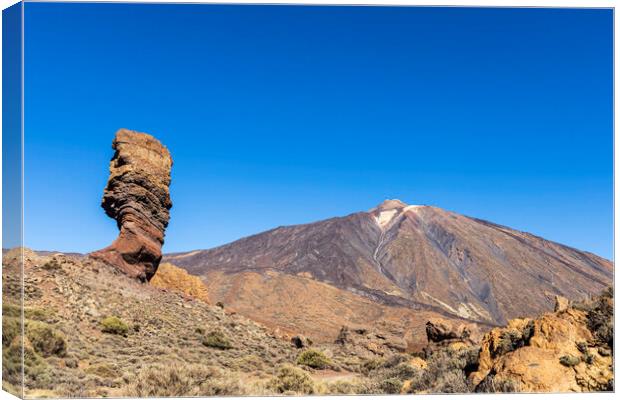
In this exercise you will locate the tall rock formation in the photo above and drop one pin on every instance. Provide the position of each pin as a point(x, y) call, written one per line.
point(137, 196)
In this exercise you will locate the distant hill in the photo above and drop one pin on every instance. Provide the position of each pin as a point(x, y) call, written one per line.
point(396, 263)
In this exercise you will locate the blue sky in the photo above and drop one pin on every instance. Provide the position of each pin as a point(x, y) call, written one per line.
point(281, 115)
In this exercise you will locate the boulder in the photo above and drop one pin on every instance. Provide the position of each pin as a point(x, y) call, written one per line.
point(137, 196)
point(442, 331)
point(344, 336)
point(301, 341)
point(561, 304)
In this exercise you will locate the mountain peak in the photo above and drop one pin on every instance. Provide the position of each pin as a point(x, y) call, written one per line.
point(390, 204)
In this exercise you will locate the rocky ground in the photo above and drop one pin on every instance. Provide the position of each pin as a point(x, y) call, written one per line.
point(92, 331)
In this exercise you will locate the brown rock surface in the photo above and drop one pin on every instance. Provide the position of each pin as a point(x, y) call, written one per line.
point(176, 279)
point(138, 198)
point(556, 352)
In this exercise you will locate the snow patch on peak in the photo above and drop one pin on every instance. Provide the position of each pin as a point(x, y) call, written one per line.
point(385, 217)
point(390, 204)
point(412, 208)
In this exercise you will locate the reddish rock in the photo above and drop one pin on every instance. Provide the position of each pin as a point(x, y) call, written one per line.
point(137, 196)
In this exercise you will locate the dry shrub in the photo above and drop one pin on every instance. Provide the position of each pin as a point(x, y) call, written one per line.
point(446, 371)
point(601, 318)
point(492, 384)
point(46, 340)
point(249, 363)
point(291, 380)
point(176, 380)
point(217, 339)
point(103, 371)
point(341, 387)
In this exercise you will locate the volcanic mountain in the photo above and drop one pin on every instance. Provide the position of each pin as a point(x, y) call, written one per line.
point(395, 264)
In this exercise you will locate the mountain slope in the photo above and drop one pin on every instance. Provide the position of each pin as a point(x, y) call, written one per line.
point(419, 258)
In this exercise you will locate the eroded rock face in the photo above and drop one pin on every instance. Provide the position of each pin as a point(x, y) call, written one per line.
point(557, 352)
point(173, 278)
point(441, 332)
point(137, 196)
point(369, 342)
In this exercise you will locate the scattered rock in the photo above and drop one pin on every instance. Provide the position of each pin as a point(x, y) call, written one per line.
point(301, 341)
point(442, 332)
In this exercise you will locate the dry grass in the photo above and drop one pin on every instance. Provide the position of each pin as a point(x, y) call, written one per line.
point(177, 380)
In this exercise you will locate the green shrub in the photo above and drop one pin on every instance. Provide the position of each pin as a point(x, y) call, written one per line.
point(45, 340)
point(34, 367)
point(313, 359)
point(512, 340)
point(114, 325)
point(371, 365)
point(391, 386)
point(11, 328)
point(402, 372)
point(582, 347)
point(569, 360)
point(52, 265)
point(11, 310)
point(291, 379)
point(217, 339)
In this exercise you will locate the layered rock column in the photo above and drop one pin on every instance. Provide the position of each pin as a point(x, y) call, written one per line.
point(137, 196)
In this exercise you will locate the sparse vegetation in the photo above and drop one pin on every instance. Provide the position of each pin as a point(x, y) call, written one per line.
point(217, 339)
point(514, 339)
point(163, 346)
point(291, 380)
point(314, 359)
point(11, 328)
point(391, 386)
point(491, 384)
point(600, 318)
point(45, 340)
point(569, 360)
point(341, 387)
point(114, 325)
point(371, 365)
point(179, 379)
point(445, 371)
point(102, 370)
point(52, 265)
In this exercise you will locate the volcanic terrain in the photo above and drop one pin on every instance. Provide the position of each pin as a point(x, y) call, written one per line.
point(395, 264)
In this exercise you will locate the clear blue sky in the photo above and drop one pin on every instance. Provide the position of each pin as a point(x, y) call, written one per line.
point(287, 115)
